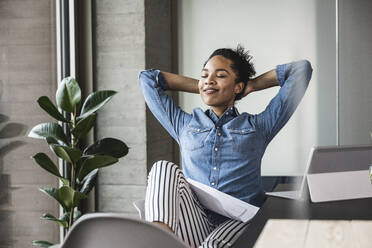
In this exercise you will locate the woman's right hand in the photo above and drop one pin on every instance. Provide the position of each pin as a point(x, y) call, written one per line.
point(250, 87)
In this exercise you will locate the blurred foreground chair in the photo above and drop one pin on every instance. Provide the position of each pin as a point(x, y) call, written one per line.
point(117, 231)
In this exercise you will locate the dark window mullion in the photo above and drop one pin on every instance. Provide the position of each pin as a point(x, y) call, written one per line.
point(65, 66)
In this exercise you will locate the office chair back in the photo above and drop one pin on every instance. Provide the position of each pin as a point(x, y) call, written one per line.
point(117, 231)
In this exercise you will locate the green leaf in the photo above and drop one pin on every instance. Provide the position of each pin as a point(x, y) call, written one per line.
point(41, 243)
point(67, 153)
point(89, 181)
point(50, 129)
point(53, 192)
point(83, 126)
point(64, 181)
point(46, 163)
point(80, 162)
point(94, 162)
point(66, 194)
point(51, 140)
point(60, 222)
point(108, 146)
point(46, 104)
point(68, 94)
point(95, 101)
point(70, 197)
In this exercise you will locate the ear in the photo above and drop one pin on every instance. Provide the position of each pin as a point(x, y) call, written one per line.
point(238, 87)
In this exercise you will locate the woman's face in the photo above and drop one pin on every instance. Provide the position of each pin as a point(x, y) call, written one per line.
point(217, 85)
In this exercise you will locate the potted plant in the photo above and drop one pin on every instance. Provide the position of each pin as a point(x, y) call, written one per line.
point(83, 162)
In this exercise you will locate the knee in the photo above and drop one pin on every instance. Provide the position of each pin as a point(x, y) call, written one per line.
point(163, 167)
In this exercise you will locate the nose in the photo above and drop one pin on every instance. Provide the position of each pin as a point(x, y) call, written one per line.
point(209, 80)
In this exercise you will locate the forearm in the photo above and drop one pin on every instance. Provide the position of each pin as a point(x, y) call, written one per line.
point(180, 83)
point(264, 81)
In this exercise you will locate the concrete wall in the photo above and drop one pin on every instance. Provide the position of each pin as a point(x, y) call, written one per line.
point(275, 32)
point(119, 55)
point(128, 40)
point(27, 71)
point(160, 54)
point(355, 88)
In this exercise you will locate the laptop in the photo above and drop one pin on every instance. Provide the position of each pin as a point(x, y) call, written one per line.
point(340, 173)
point(300, 192)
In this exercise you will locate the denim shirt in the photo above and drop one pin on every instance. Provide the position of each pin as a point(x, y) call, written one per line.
point(225, 153)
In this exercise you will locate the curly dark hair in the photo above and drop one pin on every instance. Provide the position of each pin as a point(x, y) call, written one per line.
point(241, 64)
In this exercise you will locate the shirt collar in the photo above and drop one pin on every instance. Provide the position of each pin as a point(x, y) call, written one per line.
point(229, 114)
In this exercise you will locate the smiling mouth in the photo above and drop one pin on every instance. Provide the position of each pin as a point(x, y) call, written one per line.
point(210, 91)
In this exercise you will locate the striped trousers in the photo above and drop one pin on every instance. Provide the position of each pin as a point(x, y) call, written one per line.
point(170, 200)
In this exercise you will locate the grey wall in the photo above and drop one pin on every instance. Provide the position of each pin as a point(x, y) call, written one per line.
point(130, 36)
point(336, 108)
point(275, 32)
point(27, 71)
point(325, 73)
point(355, 65)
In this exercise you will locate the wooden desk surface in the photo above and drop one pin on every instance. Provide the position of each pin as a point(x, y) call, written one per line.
point(284, 233)
point(278, 208)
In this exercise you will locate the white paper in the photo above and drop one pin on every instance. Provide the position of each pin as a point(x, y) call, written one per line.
point(223, 203)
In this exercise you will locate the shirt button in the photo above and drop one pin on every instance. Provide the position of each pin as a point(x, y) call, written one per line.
point(219, 134)
point(212, 183)
point(218, 127)
point(216, 149)
point(227, 113)
point(214, 168)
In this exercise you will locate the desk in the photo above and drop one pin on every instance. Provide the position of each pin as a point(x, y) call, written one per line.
point(278, 208)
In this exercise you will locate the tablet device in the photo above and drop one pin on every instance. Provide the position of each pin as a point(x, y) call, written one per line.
point(340, 173)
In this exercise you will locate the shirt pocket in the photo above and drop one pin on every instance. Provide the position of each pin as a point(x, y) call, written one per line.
point(244, 140)
point(195, 137)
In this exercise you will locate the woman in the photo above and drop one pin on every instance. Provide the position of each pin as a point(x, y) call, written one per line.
point(220, 147)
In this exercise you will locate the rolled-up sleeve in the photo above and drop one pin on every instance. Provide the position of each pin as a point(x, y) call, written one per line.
point(171, 116)
point(293, 79)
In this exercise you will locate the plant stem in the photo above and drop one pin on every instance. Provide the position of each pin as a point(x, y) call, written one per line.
point(73, 179)
point(73, 167)
point(71, 219)
point(73, 143)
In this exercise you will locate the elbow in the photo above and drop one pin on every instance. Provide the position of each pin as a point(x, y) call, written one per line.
point(304, 70)
point(308, 70)
point(143, 74)
point(303, 65)
point(146, 76)
point(307, 66)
